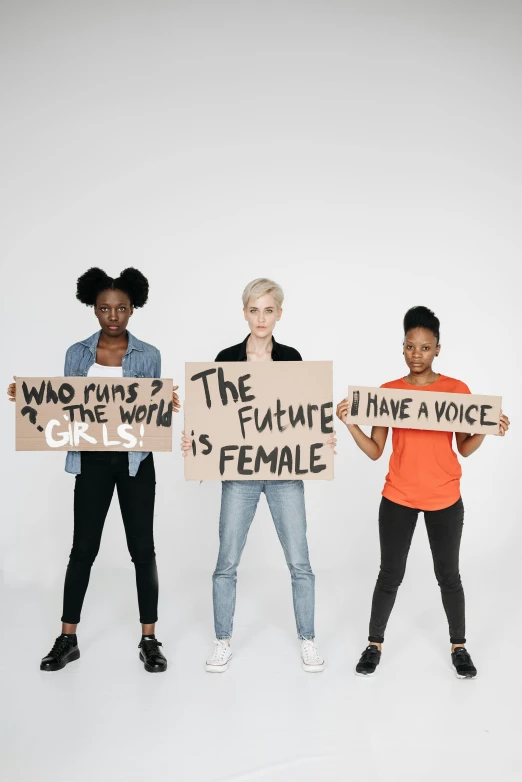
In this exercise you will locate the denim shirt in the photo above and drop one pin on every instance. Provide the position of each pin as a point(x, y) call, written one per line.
point(140, 360)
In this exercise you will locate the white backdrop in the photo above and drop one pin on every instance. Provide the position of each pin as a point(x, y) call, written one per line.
point(367, 157)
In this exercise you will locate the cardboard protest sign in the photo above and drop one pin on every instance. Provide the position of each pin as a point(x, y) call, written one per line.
point(93, 414)
point(259, 421)
point(415, 409)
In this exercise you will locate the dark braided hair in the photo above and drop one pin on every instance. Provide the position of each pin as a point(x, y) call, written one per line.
point(422, 318)
point(94, 281)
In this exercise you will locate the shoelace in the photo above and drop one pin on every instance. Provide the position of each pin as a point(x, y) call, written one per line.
point(311, 653)
point(370, 655)
point(220, 651)
point(151, 646)
point(59, 645)
point(462, 656)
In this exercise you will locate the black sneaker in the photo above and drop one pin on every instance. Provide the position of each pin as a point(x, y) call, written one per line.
point(369, 661)
point(64, 651)
point(463, 664)
point(151, 655)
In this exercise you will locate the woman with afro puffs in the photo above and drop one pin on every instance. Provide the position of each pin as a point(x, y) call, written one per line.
point(111, 352)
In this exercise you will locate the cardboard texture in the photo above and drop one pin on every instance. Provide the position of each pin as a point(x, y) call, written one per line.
point(93, 414)
point(259, 421)
point(417, 409)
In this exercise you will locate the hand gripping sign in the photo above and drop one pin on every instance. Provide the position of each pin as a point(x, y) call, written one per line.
point(93, 414)
point(259, 421)
point(417, 409)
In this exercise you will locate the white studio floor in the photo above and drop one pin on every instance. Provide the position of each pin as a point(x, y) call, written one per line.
point(105, 718)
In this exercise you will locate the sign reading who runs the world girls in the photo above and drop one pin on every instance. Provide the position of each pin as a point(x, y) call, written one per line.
point(93, 414)
point(259, 421)
point(439, 411)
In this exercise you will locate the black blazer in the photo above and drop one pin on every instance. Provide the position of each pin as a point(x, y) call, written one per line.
point(238, 352)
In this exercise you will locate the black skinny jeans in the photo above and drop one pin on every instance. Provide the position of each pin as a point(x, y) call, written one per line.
point(101, 472)
point(396, 528)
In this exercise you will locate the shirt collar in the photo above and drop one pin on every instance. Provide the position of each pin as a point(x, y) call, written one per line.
point(242, 356)
point(92, 342)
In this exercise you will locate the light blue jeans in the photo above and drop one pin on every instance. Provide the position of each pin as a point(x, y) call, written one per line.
point(238, 506)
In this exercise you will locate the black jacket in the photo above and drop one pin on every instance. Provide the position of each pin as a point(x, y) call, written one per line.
point(238, 352)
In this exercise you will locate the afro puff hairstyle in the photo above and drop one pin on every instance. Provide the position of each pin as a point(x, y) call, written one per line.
point(422, 318)
point(94, 281)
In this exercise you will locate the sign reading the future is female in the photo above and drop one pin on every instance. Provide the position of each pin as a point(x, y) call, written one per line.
point(93, 414)
point(259, 421)
point(415, 409)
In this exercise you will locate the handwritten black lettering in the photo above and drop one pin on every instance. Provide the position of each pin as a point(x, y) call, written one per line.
point(203, 376)
point(405, 403)
point(372, 400)
point(244, 459)
point(439, 409)
point(244, 389)
point(266, 458)
point(315, 458)
point(285, 460)
point(33, 394)
point(226, 386)
point(423, 410)
point(483, 414)
point(224, 457)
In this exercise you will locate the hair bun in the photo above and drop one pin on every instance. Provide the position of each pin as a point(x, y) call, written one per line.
point(423, 318)
point(135, 285)
point(90, 284)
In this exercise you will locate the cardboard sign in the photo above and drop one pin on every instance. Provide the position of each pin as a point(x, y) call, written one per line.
point(259, 420)
point(93, 414)
point(417, 409)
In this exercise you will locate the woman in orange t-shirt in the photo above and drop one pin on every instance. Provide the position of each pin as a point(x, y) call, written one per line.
point(424, 475)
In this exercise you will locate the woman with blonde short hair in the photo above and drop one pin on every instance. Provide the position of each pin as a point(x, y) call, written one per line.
point(262, 308)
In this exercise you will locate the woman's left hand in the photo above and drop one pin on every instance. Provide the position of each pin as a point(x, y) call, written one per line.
point(504, 424)
point(175, 400)
point(332, 442)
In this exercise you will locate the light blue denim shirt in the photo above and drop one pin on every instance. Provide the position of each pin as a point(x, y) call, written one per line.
point(140, 360)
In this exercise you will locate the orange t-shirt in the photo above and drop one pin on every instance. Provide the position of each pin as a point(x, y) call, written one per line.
point(424, 471)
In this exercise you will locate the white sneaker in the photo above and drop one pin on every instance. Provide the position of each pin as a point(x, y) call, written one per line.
point(312, 660)
point(218, 660)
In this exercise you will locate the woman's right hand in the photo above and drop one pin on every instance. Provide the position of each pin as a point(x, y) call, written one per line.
point(186, 444)
point(11, 390)
point(342, 412)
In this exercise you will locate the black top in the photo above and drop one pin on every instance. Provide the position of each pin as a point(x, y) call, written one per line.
point(279, 352)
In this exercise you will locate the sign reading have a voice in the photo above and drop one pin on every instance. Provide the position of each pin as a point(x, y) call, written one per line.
point(93, 414)
point(414, 409)
point(259, 421)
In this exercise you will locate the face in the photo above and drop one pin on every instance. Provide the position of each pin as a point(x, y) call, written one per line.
point(420, 348)
point(113, 310)
point(262, 315)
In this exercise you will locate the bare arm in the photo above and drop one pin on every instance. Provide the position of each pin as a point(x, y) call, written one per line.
point(469, 443)
point(372, 446)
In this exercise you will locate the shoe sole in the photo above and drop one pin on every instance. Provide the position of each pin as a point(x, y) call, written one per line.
point(313, 668)
point(365, 675)
point(150, 669)
point(462, 676)
point(217, 668)
point(69, 659)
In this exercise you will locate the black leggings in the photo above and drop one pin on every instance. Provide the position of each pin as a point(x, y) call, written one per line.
point(396, 528)
point(101, 472)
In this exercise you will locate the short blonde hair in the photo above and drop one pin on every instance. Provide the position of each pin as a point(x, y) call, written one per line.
point(260, 287)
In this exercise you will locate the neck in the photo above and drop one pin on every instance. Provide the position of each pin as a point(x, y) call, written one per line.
point(259, 345)
point(423, 379)
point(109, 341)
